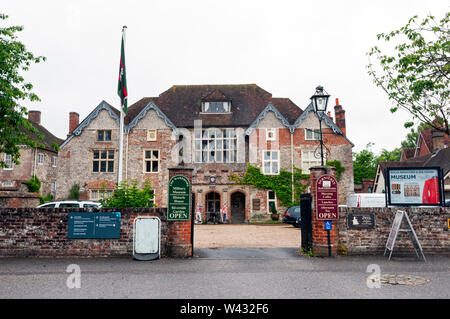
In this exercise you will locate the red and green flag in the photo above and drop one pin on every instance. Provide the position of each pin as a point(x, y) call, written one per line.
point(122, 85)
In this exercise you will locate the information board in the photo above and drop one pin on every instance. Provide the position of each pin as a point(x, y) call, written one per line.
point(94, 225)
point(179, 204)
point(361, 221)
point(327, 198)
point(409, 186)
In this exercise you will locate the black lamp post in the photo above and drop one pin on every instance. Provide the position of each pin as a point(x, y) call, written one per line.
point(320, 103)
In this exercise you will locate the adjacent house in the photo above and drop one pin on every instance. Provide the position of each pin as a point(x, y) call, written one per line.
point(214, 129)
point(41, 161)
point(432, 149)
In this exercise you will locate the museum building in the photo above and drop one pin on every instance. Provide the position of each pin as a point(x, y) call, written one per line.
point(216, 130)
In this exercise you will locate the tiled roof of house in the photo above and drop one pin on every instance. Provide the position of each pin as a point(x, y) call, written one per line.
point(440, 158)
point(182, 104)
point(48, 142)
point(407, 153)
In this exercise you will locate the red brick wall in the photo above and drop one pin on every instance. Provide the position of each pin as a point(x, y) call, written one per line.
point(43, 232)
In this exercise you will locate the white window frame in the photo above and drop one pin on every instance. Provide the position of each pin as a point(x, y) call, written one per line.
point(55, 161)
point(271, 200)
point(8, 184)
point(215, 146)
point(151, 135)
point(314, 134)
point(8, 158)
point(53, 187)
point(41, 158)
point(206, 106)
point(271, 134)
point(309, 161)
point(151, 159)
point(271, 162)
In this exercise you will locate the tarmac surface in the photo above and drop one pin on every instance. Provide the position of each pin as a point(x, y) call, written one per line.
point(224, 273)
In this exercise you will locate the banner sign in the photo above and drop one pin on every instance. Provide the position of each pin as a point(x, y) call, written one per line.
point(179, 207)
point(408, 186)
point(94, 225)
point(327, 198)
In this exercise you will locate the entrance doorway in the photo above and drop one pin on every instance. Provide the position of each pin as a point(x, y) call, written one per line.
point(237, 208)
point(212, 205)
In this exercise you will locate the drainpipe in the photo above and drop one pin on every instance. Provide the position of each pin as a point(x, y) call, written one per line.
point(292, 165)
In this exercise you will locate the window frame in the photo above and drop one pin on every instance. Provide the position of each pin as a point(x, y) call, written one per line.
point(271, 130)
point(107, 161)
point(151, 160)
point(225, 145)
point(274, 200)
point(54, 161)
point(39, 157)
point(315, 134)
point(9, 167)
point(316, 161)
point(104, 136)
point(270, 161)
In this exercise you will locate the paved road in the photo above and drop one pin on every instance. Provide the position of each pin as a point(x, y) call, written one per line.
point(268, 273)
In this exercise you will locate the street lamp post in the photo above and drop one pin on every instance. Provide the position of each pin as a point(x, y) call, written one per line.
point(320, 103)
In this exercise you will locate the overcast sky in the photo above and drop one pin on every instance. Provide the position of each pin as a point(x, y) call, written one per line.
point(285, 47)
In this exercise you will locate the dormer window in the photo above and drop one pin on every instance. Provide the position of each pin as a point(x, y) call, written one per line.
point(216, 107)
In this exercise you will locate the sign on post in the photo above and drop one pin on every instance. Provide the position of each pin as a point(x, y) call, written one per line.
point(94, 225)
point(179, 204)
point(327, 198)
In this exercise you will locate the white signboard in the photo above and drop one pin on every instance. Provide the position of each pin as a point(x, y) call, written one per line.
point(414, 186)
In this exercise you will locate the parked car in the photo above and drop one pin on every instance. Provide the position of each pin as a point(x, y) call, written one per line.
point(71, 203)
point(447, 203)
point(366, 200)
point(292, 216)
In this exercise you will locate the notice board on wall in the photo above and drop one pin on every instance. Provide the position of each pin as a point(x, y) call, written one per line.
point(94, 225)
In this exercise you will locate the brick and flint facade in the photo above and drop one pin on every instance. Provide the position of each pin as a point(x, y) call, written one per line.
point(213, 129)
point(41, 161)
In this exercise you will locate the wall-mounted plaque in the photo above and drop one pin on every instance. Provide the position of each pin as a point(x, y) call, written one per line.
point(361, 221)
point(256, 203)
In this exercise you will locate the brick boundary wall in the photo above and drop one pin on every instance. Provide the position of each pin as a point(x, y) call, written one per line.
point(430, 225)
point(42, 232)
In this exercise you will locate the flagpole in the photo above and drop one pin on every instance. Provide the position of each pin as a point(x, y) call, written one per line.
point(119, 177)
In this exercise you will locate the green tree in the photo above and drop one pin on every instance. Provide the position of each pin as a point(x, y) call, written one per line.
point(14, 90)
point(364, 164)
point(416, 76)
point(413, 135)
point(127, 195)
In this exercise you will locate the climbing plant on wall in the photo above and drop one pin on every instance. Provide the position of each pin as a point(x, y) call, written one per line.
point(281, 184)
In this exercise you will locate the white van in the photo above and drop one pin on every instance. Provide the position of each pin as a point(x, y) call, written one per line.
point(366, 200)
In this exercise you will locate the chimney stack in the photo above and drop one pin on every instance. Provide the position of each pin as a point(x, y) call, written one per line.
point(34, 116)
point(329, 115)
point(437, 140)
point(74, 120)
point(339, 114)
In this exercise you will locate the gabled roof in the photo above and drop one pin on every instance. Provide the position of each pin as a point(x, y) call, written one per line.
point(143, 112)
point(113, 112)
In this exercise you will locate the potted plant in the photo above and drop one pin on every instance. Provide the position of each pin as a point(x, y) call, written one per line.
point(273, 210)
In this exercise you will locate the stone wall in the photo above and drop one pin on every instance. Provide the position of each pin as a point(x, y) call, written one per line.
point(430, 225)
point(44, 233)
